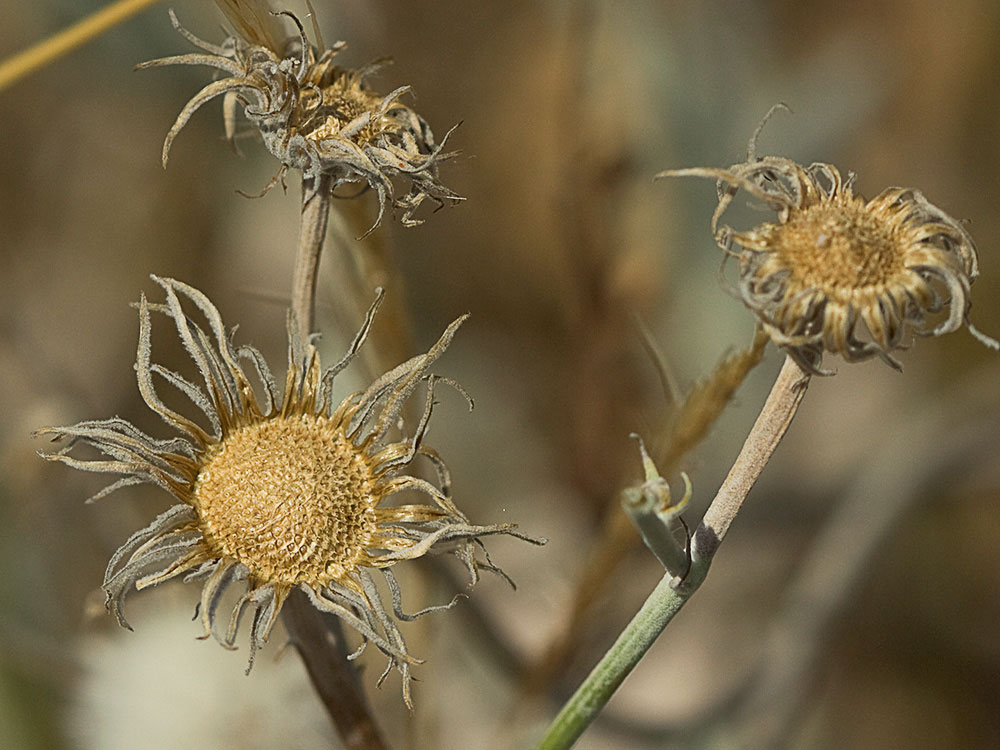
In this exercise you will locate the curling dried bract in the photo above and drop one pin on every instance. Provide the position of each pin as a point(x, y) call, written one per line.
point(316, 117)
point(279, 490)
point(834, 262)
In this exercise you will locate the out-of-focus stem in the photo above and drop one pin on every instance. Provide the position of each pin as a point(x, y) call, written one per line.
point(48, 50)
point(670, 594)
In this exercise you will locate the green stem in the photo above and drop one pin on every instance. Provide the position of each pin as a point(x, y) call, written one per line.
point(670, 593)
point(633, 642)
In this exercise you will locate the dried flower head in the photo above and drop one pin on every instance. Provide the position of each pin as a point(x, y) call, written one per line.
point(279, 491)
point(313, 115)
point(833, 259)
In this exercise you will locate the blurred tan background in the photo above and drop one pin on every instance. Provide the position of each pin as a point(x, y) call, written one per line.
point(878, 517)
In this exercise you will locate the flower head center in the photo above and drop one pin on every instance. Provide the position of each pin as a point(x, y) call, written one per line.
point(291, 498)
point(328, 110)
point(838, 245)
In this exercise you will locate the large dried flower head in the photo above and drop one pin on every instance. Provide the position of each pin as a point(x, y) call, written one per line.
point(834, 260)
point(279, 491)
point(313, 115)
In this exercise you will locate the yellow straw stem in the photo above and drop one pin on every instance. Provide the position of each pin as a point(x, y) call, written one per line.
point(23, 63)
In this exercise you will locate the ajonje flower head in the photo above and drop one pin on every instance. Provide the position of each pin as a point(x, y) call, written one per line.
point(312, 115)
point(288, 490)
point(833, 261)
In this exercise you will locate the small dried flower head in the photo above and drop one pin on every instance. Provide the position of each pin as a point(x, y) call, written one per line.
point(313, 115)
point(279, 491)
point(833, 260)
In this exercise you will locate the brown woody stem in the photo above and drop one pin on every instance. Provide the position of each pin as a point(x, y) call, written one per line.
point(319, 638)
point(316, 196)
